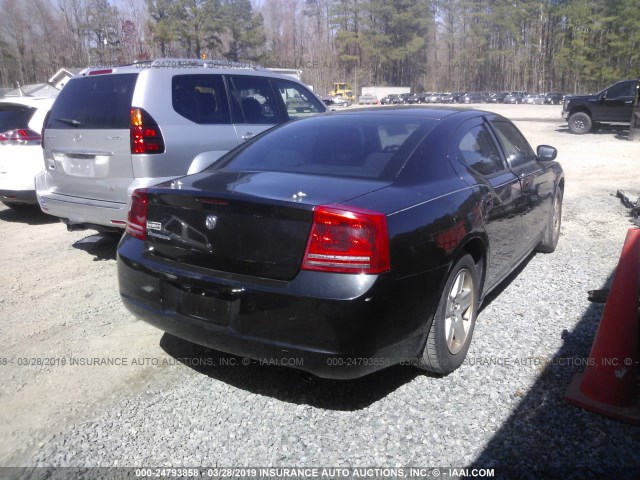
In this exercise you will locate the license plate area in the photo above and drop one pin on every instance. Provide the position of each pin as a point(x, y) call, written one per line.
point(200, 304)
point(83, 164)
point(80, 167)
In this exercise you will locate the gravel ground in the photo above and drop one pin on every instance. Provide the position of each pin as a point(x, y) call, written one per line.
point(502, 409)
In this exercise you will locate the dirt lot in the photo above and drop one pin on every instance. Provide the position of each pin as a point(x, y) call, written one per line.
point(59, 301)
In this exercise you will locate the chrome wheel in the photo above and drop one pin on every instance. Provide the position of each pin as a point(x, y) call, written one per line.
point(460, 311)
point(556, 217)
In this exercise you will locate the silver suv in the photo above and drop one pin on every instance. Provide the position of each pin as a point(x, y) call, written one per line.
point(113, 130)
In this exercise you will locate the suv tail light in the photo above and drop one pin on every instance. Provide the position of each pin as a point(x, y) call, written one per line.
point(146, 136)
point(347, 240)
point(20, 136)
point(137, 217)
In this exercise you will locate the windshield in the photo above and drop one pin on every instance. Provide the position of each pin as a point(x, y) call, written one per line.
point(358, 146)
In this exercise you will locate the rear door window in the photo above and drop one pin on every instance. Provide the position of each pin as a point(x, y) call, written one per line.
point(200, 98)
point(516, 148)
point(477, 150)
point(253, 100)
point(94, 102)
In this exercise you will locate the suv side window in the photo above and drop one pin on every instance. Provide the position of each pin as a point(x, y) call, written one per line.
point(298, 101)
point(200, 98)
point(623, 89)
point(477, 150)
point(516, 148)
point(253, 98)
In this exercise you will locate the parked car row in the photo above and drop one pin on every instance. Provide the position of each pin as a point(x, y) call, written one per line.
point(350, 240)
point(515, 97)
point(474, 97)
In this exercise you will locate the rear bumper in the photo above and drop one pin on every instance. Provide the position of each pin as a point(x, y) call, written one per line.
point(26, 197)
point(79, 212)
point(83, 212)
point(332, 325)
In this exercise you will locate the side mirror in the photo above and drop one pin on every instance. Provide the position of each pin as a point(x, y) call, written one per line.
point(546, 153)
point(604, 95)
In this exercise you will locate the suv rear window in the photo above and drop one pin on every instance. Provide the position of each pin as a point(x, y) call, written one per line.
point(94, 102)
point(14, 116)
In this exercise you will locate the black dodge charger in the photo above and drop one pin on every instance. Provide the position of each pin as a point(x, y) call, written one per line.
point(348, 241)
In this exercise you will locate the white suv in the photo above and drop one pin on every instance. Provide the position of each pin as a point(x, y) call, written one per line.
point(20, 153)
point(112, 131)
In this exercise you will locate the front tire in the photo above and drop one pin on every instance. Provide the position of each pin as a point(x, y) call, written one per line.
point(580, 123)
point(452, 327)
point(552, 230)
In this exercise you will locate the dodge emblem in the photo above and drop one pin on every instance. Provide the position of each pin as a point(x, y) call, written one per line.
point(211, 222)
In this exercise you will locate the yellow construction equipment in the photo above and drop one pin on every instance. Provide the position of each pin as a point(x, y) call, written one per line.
point(343, 90)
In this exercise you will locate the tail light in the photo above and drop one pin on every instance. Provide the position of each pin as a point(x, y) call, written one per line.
point(137, 217)
point(146, 136)
point(20, 136)
point(101, 72)
point(347, 240)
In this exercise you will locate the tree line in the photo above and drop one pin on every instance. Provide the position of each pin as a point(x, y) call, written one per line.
point(428, 45)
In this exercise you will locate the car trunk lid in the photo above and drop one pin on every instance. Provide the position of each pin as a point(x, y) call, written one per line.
point(253, 223)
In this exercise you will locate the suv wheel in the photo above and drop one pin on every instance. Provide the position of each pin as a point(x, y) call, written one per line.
point(580, 123)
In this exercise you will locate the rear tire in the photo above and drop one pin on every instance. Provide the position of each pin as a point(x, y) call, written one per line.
point(552, 230)
point(452, 327)
point(580, 123)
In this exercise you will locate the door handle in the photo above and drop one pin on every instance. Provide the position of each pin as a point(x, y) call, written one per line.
point(630, 101)
point(247, 136)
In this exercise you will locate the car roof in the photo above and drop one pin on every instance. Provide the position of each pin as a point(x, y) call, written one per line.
point(435, 113)
point(36, 102)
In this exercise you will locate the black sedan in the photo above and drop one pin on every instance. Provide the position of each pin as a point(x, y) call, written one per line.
point(346, 242)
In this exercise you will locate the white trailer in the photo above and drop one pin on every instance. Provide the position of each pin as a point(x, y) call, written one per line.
point(381, 92)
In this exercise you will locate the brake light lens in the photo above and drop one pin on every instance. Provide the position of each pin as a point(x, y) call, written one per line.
point(137, 217)
point(145, 134)
point(20, 136)
point(347, 240)
point(101, 72)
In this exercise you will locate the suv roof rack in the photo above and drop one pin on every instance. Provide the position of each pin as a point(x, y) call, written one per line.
point(197, 62)
point(180, 63)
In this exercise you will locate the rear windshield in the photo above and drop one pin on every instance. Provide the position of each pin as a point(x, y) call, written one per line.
point(355, 146)
point(14, 116)
point(94, 102)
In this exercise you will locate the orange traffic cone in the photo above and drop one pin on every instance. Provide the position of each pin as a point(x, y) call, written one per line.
point(609, 383)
